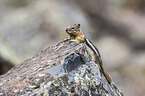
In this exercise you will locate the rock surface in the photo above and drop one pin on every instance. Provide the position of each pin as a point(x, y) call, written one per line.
point(66, 69)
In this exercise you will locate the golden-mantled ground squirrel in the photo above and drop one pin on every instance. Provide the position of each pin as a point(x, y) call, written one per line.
point(76, 34)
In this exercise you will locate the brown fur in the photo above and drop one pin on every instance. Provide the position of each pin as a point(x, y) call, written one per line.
point(75, 33)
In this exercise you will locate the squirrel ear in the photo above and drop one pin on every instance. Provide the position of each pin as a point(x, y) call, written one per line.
point(79, 25)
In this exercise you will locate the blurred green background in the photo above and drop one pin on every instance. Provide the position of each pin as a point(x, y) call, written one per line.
point(117, 28)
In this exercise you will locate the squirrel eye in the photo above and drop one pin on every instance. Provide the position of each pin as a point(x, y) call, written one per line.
point(72, 28)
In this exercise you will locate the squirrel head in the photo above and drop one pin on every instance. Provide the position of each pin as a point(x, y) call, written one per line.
point(73, 30)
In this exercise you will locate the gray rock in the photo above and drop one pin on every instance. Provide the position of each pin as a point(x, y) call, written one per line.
point(65, 69)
